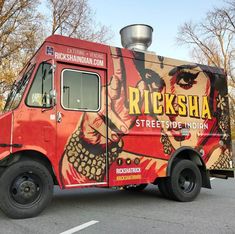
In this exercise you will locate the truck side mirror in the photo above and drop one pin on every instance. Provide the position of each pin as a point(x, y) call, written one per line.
point(52, 95)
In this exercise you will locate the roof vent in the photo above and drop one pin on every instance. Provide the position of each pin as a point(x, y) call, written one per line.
point(136, 37)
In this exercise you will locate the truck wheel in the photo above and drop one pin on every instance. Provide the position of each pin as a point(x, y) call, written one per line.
point(138, 187)
point(163, 185)
point(185, 181)
point(26, 189)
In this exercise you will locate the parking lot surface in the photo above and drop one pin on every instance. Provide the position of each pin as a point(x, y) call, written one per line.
point(120, 211)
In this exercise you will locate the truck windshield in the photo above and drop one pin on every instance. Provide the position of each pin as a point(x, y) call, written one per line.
point(18, 89)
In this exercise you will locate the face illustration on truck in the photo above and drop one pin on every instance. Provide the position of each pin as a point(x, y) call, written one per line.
point(85, 114)
point(175, 106)
point(192, 105)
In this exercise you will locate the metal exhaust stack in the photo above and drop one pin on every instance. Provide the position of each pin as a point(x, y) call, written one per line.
point(136, 37)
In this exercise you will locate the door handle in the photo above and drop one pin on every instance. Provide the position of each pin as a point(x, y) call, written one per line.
point(59, 117)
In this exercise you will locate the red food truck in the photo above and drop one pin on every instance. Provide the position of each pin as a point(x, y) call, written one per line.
point(83, 114)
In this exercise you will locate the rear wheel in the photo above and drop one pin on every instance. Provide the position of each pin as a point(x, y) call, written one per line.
point(26, 189)
point(185, 181)
point(138, 187)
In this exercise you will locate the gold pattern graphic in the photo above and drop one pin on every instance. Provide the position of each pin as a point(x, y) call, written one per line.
point(87, 163)
point(223, 122)
point(167, 146)
point(223, 161)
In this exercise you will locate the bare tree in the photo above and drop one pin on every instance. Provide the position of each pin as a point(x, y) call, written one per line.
point(16, 25)
point(23, 27)
point(212, 42)
point(18, 35)
point(228, 13)
point(75, 18)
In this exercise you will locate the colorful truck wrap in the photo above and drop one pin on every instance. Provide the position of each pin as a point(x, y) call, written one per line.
point(84, 114)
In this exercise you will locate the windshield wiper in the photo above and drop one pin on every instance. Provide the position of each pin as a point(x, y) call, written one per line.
point(9, 98)
point(17, 86)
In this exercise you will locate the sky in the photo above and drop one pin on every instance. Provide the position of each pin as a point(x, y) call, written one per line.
point(164, 16)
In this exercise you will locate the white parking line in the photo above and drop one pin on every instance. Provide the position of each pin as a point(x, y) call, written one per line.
point(80, 227)
point(212, 178)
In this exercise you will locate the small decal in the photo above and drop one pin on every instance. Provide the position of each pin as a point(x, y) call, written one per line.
point(119, 161)
point(49, 50)
point(128, 161)
point(137, 161)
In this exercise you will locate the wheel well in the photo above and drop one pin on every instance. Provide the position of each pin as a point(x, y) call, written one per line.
point(194, 156)
point(32, 155)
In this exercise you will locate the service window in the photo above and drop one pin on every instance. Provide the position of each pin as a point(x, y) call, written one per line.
point(80, 90)
point(39, 93)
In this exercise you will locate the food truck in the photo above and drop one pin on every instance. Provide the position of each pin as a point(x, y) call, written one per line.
point(83, 114)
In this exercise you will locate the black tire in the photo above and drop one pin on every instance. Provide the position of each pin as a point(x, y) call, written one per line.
point(26, 189)
point(185, 181)
point(163, 185)
point(138, 187)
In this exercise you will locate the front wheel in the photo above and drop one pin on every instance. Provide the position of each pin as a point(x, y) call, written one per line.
point(185, 181)
point(26, 189)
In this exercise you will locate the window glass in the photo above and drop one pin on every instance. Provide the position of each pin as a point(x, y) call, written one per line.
point(17, 90)
point(80, 90)
point(42, 85)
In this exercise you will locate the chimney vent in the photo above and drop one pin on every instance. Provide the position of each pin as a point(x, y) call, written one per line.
point(136, 37)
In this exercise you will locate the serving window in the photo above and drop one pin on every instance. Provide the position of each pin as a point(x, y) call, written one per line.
point(80, 90)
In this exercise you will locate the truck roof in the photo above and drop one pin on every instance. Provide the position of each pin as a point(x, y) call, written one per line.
point(98, 47)
point(75, 42)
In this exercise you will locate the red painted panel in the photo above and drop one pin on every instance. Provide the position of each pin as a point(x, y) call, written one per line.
point(5, 133)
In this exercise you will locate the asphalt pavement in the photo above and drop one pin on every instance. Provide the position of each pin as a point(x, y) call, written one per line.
point(119, 211)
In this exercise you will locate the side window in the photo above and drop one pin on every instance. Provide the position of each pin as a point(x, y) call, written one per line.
point(80, 90)
point(38, 95)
